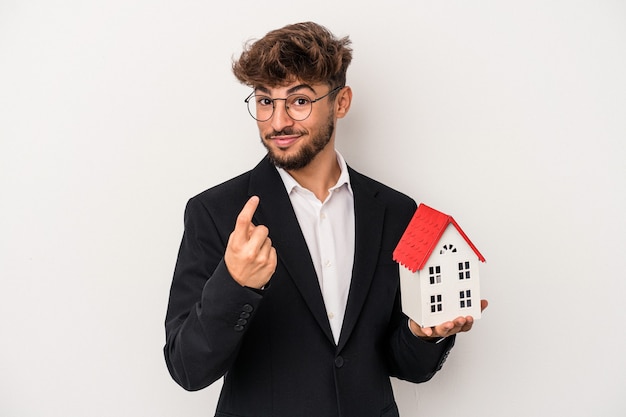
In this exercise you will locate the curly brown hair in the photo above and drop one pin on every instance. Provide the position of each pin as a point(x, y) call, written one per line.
point(302, 51)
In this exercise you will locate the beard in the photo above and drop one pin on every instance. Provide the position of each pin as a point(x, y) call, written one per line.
point(308, 151)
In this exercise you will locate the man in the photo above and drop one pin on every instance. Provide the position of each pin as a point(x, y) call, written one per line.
point(285, 283)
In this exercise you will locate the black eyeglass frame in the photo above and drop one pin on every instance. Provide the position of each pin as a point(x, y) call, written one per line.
point(247, 101)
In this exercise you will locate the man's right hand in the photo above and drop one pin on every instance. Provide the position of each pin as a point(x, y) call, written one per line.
point(250, 257)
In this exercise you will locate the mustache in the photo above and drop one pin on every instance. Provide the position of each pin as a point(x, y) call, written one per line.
point(284, 132)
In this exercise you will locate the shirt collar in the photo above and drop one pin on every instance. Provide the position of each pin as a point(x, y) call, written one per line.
point(344, 178)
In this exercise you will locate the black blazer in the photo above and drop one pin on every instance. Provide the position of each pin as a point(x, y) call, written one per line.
point(275, 347)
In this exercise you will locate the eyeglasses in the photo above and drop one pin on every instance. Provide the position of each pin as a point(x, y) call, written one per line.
point(298, 106)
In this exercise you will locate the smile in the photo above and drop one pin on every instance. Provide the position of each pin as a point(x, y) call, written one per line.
point(284, 141)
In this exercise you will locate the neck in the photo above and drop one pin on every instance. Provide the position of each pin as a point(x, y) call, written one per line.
point(322, 173)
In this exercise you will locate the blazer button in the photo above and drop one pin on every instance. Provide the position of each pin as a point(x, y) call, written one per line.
point(247, 308)
point(242, 322)
point(338, 361)
point(238, 328)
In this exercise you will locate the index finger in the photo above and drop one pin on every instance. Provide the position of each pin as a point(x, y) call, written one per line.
point(244, 219)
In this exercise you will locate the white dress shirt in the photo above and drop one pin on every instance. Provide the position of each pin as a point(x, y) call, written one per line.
point(328, 229)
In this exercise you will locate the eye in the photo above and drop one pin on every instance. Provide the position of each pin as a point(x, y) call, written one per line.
point(299, 101)
point(263, 101)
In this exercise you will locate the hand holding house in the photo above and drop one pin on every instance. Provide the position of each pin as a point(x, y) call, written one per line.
point(439, 278)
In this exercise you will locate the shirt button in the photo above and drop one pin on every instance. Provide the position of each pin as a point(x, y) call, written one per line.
point(331, 315)
point(328, 264)
point(322, 215)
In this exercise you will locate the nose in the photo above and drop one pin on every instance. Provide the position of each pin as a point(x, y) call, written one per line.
point(280, 118)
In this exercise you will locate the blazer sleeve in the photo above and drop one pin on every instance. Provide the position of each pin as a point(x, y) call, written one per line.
point(410, 357)
point(208, 311)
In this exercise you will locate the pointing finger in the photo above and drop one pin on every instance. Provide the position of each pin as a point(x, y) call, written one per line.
point(243, 226)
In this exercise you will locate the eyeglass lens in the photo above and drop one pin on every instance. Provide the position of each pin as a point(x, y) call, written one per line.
point(298, 106)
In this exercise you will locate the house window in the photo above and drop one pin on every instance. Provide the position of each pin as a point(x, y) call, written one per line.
point(447, 248)
point(434, 272)
point(464, 270)
point(436, 305)
point(465, 299)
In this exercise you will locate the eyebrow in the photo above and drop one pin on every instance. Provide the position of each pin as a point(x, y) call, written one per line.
point(290, 91)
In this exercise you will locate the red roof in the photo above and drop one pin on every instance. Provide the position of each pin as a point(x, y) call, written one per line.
point(422, 235)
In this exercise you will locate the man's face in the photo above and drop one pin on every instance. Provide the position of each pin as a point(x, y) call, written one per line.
point(292, 144)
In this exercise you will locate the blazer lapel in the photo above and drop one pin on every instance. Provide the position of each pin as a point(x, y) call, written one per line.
point(275, 212)
point(368, 215)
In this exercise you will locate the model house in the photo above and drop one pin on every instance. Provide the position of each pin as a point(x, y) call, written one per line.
point(439, 278)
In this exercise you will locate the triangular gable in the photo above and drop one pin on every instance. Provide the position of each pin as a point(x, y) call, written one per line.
point(422, 235)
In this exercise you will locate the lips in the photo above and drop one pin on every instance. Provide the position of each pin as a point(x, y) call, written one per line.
point(284, 141)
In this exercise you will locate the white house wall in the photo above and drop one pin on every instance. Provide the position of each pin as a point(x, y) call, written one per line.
point(410, 288)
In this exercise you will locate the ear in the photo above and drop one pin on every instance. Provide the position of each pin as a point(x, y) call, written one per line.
point(343, 101)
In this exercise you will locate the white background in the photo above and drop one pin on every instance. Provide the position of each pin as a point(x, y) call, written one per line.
point(509, 115)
